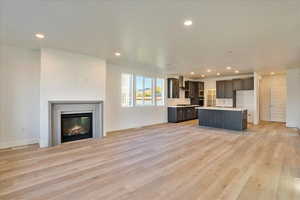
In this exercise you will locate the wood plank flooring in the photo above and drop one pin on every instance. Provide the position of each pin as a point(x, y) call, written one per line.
point(163, 162)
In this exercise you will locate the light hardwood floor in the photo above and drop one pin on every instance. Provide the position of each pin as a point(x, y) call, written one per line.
point(169, 161)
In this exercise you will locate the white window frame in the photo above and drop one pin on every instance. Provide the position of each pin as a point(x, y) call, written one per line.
point(153, 91)
point(131, 90)
point(154, 97)
point(163, 91)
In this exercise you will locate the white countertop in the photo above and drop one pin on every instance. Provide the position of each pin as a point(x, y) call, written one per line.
point(187, 106)
point(221, 108)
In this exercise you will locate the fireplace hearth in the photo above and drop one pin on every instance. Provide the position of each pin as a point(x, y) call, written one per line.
point(76, 126)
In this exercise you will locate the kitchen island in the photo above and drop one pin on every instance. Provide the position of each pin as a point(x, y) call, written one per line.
point(223, 117)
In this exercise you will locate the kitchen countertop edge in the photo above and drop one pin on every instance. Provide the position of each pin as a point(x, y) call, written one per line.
point(221, 108)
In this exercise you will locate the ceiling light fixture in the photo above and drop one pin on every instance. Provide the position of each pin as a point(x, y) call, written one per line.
point(236, 71)
point(117, 54)
point(228, 68)
point(218, 74)
point(39, 35)
point(188, 22)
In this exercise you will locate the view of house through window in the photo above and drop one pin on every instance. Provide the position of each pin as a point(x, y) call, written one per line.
point(148, 91)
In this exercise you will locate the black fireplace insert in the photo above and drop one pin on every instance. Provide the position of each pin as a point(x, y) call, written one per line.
point(76, 126)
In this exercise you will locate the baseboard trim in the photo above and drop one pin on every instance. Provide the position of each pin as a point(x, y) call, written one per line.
point(4, 145)
point(134, 128)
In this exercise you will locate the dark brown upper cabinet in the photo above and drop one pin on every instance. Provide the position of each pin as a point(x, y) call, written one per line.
point(173, 88)
point(201, 86)
point(224, 89)
point(237, 84)
point(248, 83)
point(194, 89)
point(228, 89)
point(220, 89)
point(243, 84)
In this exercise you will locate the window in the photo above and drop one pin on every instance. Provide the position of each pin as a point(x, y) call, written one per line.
point(159, 92)
point(127, 83)
point(146, 91)
point(143, 91)
point(139, 90)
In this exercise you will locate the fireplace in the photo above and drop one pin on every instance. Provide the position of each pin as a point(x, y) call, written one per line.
point(76, 126)
point(75, 120)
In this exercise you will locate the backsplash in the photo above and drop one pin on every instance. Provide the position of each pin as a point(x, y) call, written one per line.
point(174, 102)
point(224, 102)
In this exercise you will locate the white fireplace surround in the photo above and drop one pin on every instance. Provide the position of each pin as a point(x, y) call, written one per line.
point(57, 108)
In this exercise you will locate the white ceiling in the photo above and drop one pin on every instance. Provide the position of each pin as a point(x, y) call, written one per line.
point(257, 35)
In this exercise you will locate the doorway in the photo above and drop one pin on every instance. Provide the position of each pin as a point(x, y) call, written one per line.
point(273, 98)
point(277, 104)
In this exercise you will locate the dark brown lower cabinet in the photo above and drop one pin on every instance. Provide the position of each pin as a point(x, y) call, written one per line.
point(180, 114)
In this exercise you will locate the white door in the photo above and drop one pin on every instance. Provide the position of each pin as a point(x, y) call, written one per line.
point(277, 104)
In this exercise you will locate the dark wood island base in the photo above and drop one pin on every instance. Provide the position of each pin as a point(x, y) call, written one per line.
point(226, 118)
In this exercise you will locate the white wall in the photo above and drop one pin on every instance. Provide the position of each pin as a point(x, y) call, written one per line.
point(123, 118)
point(68, 76)
point(19, 96)
point(293, 98)
point(256, 96)
point(266, 83)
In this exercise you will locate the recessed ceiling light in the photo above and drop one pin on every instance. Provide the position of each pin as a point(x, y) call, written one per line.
point(218, 74)
point(188, 22)
point(236, 71)
point(202, 75)
point(192, 73)
point(40, 36)
point(228, 68)
point(117, 54)
point(272, 73)
point(209, 70)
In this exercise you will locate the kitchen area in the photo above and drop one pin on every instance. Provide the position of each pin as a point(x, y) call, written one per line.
point(219, 102)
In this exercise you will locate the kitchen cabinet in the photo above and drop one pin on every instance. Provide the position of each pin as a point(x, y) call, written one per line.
point(243, 84)
point(237, 84)
point(194, 89)
point(224, 89)
point(190, 113)
point(248, 84)
point(173, 88)
point(179, 114)
point(228, 89)
point(201, 86)
point(220, 89)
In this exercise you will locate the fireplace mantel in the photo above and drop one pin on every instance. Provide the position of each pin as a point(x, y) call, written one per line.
point(57, 108)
